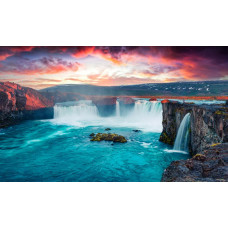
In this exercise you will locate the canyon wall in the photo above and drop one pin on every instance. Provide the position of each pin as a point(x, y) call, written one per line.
point(209, 124)
point(21, 103)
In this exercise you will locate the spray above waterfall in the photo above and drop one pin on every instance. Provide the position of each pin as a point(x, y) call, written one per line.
point(144, 115)
point(182, 138)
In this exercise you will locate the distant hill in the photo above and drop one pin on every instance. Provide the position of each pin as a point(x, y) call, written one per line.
point(200, 88)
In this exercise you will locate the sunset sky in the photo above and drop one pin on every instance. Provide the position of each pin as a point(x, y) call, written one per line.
point(41, 67)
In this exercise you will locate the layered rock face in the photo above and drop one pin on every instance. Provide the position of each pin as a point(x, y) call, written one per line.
point(210, 165)
point(173, 113)
point(209, 124)
point(20, 103)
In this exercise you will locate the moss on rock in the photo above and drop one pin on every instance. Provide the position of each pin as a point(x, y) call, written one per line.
point(109, 137)
point(165, 138)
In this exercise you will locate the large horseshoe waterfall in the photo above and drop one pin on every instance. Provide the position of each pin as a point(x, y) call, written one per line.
point(146, 115)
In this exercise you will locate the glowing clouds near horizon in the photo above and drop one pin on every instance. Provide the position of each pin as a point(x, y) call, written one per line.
point(40, 67)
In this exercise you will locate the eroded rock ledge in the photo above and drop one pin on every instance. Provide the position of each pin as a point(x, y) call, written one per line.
point(209, 166)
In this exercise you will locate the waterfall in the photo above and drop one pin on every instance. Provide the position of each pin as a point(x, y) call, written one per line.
point(145, 115)
point(148, 114)
point(117, 108)
point(144, 108)
point(182, 138)
point(79, 110)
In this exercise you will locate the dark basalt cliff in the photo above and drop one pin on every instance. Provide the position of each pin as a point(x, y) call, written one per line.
point(209, 124)
point(21, 103)
point(208, 141)
point(210, 165)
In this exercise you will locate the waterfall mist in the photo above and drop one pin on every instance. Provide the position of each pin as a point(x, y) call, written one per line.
point(145, 115)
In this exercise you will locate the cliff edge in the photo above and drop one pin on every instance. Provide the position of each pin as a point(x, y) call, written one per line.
point(21, 103)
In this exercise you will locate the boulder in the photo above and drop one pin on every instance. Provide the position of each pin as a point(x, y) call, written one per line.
point(136, 130)
point(109, 137)
point(165, 101)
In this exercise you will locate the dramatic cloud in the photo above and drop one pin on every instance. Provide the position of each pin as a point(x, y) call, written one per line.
point(112, 65)
point(6, 52)
point(45, 65)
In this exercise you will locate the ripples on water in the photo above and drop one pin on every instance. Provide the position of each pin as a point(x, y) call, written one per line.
point(58, 150)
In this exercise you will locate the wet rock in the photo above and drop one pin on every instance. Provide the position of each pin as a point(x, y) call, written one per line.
point(210, 166)
point(92, 134)
point(108, 129)
point(136, 130)
point(109, 137)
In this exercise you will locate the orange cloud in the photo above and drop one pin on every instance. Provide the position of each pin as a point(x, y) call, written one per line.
point(82, 52)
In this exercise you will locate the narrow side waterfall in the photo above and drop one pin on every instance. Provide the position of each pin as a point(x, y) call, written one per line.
point(117, 108)
point(182, 138)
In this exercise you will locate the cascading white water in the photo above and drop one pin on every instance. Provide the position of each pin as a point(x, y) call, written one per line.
point(148, 114)
point(182, 138)
point(145, 115)
point(117, 108)
point(147, 108)
point(80, 110)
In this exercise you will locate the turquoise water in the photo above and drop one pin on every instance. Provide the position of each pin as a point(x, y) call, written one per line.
point(61, 150)
point(44, 151)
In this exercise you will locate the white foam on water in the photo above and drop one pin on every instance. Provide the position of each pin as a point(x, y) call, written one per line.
point(145, 145)
point(176, 151)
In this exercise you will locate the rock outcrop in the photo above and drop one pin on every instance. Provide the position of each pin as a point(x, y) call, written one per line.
point(105, 105)
point(126, 100)
point(108, 137)
point(209, 124)
point(209, 166)
point(21, 103)
point(173, 113)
